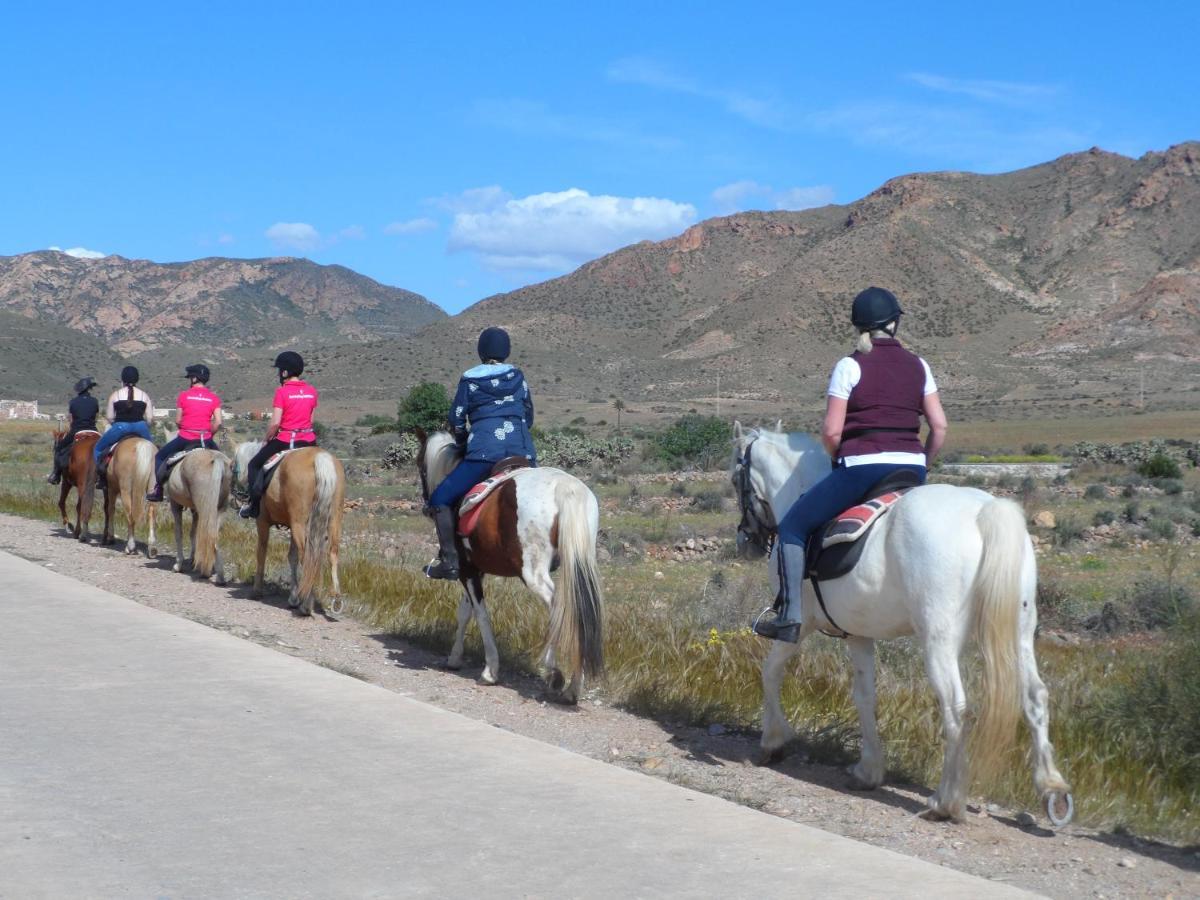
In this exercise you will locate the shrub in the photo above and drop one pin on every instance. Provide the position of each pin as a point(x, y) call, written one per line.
point(1158, 603)
point(677, 489)
point(1036, 449)
point(1132, 512)
point(567, 448)
point(1171, 486)
point(401, 453)
point(1066, 531)
point(1095, 492)
point(1163, 529)
point(709, 501)
point(425, 406)
point(1104, 517)
point(375, 421)
point(1160, 465)
point(695, 439)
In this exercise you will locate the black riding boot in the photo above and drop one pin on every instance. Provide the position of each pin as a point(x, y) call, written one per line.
point(447, 564)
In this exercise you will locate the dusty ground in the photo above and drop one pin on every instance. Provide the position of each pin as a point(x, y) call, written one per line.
point(1076, 862)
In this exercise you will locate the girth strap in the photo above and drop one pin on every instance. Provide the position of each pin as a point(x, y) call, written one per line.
point(821, 600)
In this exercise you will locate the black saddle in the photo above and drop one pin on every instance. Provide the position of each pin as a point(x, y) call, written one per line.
point(164, 470)
point(838, 559)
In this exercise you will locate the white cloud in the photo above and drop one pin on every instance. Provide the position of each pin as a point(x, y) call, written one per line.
point(81, 252)
point(750, 194)
point(1008, 93)
point(480, 199)
point(410, 226)
point(557, 231)
point(225, 238)
point(352, 233)
point(293, 236)
point(769, 113)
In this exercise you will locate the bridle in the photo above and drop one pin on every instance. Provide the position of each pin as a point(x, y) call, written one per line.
point(757, 524)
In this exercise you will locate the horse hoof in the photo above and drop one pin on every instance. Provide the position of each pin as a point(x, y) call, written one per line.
point(854, 783)
point(293, 601)
point(337, 606)
point(176, 568)
point(486, 677)
point(152, 552)
point(1060, 808)
point(770, 757)
point(452, 665)
point(556, 682)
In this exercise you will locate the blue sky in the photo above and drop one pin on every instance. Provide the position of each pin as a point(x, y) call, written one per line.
point(467, 149)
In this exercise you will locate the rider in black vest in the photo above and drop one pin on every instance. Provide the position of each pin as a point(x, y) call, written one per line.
point(81, 416)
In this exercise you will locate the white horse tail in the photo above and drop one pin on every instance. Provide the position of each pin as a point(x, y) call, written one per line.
point(209, 498)
point(576, 615)
point(997, 609)
point(326, 502)
point(142, 480)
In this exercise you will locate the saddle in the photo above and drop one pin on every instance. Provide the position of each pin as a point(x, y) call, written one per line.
point(108, 454)
point(164, 471)
point(471, 505)
point(834, 548)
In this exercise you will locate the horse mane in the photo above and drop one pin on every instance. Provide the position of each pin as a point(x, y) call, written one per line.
point(441, 456)
point(792, 441)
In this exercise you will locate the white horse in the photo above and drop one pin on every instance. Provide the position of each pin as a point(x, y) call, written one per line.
point(525, 526)
point(942, 560)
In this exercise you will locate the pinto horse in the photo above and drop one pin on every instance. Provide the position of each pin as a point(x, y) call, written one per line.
point(541, 515)
point(131, 476)
point(200, 482)
point(942, 560)
point(80, 473)
point(305, 496)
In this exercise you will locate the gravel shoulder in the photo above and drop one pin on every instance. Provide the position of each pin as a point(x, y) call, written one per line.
point(993, 843)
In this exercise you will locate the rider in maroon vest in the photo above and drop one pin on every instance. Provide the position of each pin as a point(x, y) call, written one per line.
point(874, 405)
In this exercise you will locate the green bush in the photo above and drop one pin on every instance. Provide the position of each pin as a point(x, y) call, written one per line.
point(1095, 492)
point(1066, 531)
point(1163, 529)
point(425, 406)
point(1171, 486)
point(1104, 517)
point(695, 439)
point(709, 501)
point(1160, 466)
point(375, 421)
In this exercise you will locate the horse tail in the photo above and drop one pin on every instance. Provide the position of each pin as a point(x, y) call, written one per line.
point(208, 497)
point(327, 490)
point(997, 594)
point(141, 480)
point(576, 615)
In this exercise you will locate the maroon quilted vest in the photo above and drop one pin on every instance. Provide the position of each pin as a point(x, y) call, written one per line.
point(883, 414)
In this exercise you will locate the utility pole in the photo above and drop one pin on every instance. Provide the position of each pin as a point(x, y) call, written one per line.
point(718, 395)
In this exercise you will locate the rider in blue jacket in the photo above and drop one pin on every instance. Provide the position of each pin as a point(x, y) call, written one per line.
point(491, 416)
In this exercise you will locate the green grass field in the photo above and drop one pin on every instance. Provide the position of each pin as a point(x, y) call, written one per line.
point(1124, 704)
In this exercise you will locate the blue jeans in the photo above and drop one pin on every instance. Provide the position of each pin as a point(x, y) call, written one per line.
point(118, 430)
point(836, 492)
point(461, 479)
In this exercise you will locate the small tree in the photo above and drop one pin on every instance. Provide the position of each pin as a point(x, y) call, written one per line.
point(425, 406)
point(696, 439)
point(619, 406)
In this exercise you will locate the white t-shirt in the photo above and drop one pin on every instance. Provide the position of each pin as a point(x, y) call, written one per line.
point(846, 374)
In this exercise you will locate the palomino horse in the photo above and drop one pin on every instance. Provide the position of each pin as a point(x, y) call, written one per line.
point(305, 496)
point(942, 560)
point(524, 528)
point(80, 473)
point(131, 476)
point(200, 482)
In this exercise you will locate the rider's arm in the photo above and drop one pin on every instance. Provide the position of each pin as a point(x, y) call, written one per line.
point(457, 419)
point(835, 421)
point(276, 418)
point(217, 418)
point(149, 415)
point(931, 407)
point(109, 412)
point(528, 401)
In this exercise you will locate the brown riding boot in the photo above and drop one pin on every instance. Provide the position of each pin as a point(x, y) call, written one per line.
point(446, 566)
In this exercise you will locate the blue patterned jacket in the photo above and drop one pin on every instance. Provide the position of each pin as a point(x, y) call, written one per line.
point(494, 409)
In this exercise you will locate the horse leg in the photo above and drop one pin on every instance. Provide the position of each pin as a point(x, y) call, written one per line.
point(491, 656)
point(539, 581)
point(151, 538)
point(260, 562)
point(177, 514)
point(195, 517)
point(295, 552)
point(777, 731)
point(868, 773)
point(62, 500)
point(466, 610)
point(941, 661)
point(218, 575)
point(110, 510)
point(1051, 786)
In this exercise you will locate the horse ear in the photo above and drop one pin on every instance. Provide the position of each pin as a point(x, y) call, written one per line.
point(779, 426)
point(737, 429)
point(420, 433)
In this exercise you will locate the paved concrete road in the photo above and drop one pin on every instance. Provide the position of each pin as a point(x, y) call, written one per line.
point(143, 755)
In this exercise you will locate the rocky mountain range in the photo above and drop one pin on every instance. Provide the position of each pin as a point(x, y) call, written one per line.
point(1073, 284)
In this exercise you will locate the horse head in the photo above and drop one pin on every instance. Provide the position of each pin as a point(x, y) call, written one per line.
point(437, 455)
point(756, 528)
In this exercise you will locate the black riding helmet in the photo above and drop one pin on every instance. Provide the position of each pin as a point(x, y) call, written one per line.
point(130, 375)
point(290, 361)
point(85, 384)
point(874, 308)
point(199, 371)
point(494, 344)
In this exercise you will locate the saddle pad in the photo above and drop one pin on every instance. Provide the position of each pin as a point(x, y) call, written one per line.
point(108, 454)
point(472, 504)
point(85, 431)
point(274, 460)
point(854, 522)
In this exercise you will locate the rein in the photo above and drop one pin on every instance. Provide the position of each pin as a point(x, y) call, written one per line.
point(757, 528)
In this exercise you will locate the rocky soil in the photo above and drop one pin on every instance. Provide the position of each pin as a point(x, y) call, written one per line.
point(1001, 844)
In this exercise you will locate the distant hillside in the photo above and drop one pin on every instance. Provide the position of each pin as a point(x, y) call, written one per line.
point(136, 305)
point(1064, 284)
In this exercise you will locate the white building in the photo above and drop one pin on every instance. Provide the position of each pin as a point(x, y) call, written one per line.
point(20, 409)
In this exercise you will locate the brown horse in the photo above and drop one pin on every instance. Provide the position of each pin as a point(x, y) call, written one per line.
point(200, 482)
point(305, 496)
point(80, 474)
point(525, 527)
point(130, 476)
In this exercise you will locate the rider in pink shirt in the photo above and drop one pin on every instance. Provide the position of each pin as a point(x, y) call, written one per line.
point(291, 424)
point(198, 415)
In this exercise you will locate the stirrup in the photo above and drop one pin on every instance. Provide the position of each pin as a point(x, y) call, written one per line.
point(777, 629)
point(438, 569)
point(248, 511)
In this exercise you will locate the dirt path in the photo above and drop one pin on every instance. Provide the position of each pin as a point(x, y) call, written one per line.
point(1076, 862)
